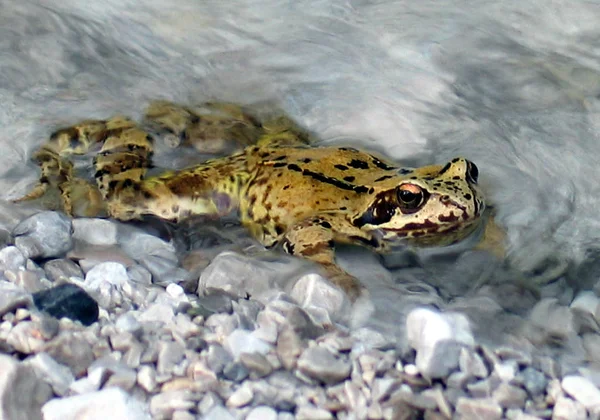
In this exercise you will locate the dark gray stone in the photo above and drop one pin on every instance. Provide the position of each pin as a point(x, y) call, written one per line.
point(67, 300)
point(44, 235)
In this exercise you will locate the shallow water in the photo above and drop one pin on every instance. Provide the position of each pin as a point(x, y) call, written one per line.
point(513, 86)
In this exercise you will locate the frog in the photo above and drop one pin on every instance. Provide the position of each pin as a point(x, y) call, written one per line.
point(289, 193)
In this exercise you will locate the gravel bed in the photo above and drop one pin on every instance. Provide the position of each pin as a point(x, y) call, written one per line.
point(100, 320)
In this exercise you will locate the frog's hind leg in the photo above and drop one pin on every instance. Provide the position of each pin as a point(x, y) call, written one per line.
point(282, 131)
point(212, 127)
point(222, 127)
point(78, 197)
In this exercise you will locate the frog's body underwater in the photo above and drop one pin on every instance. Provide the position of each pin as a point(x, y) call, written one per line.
point(304, 198)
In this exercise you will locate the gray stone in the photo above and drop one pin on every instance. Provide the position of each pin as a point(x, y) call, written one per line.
point(155, 254)
point(320, 364)
point(567, 409)
point(110, 403)
point(139, 274)
point(170, 353)
point(289, 347)
point(129, 323)
point(158, 312)
point(95, 231)
point(31, 281)
point(146, 378)
point(58, 376)
point(13, 297)
point(62, 268)
point(25, 337)
point(509, 396)
point(217, 358)
point(310, 412)
point(71, 350)
point(475, 409)
point(109, 272)
point(585, 306)
point(240, 397)
point(553, 319)
point(44, 235)
point(483, 388)
point(262, 412)
point(242, 341)
point(438, 340)
point(11, 258)
point(533, 380)
point(235, 372)
point(472, 364)
point(591, 344)
point(22, 394)
point(163, 405)
point(218, 412)
point(582, 390)
point(242, 276)
point(312, 290)
point(257, 364)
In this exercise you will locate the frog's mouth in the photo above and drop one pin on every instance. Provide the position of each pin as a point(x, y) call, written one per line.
point(427, 233)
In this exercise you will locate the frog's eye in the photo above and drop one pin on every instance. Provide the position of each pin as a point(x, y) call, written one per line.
point(410, 196)
point(472, 172)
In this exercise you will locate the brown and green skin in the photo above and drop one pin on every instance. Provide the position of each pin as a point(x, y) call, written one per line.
point(305, 198)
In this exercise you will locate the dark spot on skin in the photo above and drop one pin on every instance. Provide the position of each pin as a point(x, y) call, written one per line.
point(413, 177)
point(368, 242)
point(468, 196)
point(286, 187)
point(341, 167)
point(349, 178)
point(113, 184)
point(294, 167)
point(381, 211)
point(334, 181)
point(358, 164)
point(456, 177)
point(348, 149)
point(426, 225)
point(306, 160)
point(445, 169)
point(455, 160)
point(371, 190)
point(381, 165)
point(252, 200)
point(383, 178)
point(404, 171)
point(279, 229)
point(343, 208)
point(314, 250)
point(288, 246)
point(279, 165)
point(279, 175)
point(280, 157)
point(450, 218)
point(268, 206)
point(325, 224)
point(231, 178)
point(263, 154)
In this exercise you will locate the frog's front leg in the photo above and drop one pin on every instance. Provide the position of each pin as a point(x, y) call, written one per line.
point(314, 239)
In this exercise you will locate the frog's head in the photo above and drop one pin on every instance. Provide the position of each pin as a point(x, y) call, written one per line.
point(429, 206)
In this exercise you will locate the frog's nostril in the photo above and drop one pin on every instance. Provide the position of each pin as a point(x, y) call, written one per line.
point(472, 172)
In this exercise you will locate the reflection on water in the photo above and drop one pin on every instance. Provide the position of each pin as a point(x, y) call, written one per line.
point(513, 86)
